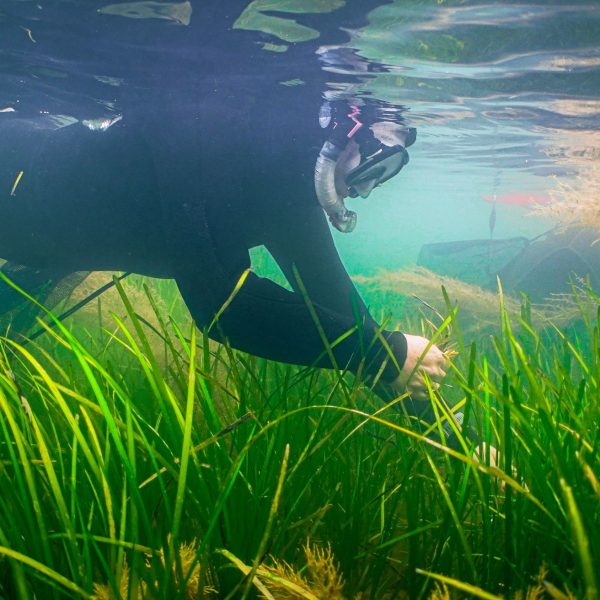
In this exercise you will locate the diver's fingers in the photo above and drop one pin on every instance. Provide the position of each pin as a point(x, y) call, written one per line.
point(434, 372)
point(418, 389)
point(420, 395)
point(435, 359)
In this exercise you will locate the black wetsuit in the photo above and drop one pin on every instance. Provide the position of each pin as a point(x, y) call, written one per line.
point(182, 187)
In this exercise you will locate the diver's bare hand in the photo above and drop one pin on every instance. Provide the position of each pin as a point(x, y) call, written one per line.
point(420, 362)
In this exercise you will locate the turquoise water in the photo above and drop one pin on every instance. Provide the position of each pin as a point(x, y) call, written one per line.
point(506, 99)
point(434, 200)
point(505, 96)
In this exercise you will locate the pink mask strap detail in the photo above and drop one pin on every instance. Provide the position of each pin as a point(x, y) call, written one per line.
point(353, 116)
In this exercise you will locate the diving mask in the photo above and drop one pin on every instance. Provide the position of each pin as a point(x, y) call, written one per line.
point(382, 149)
point(375, 169)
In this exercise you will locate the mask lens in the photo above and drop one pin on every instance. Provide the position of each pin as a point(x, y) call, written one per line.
point(365, 183)
point(376, 170)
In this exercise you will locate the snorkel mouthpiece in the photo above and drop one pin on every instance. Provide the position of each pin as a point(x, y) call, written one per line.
point(341, 218)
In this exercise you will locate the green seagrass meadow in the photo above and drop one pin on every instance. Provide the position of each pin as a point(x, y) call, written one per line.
point(138, 460)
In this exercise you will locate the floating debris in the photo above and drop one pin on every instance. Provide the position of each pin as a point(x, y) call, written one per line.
point(292, 82)
point(38, 72)
point(180, 13)
point(274, 47)
point(101, 124)
point(16, 183)
point(29, 34)
point(59, 121)
point(257, 17)
point(114, 81)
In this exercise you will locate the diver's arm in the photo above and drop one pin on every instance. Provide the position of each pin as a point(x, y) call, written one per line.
point(266, 320)
point(301, 242)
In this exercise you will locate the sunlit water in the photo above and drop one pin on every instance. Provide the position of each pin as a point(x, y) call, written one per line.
point(505, 95)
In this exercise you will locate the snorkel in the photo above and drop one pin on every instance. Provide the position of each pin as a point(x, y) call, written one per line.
point(331, 201)
point(341, 218)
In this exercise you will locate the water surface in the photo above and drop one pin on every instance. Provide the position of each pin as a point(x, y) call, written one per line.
point(505, 95)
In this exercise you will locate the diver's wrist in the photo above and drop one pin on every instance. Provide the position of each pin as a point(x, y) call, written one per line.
point(394, 363)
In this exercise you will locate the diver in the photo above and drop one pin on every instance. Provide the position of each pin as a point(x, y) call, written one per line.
point(134, 198)
point(193, 172)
